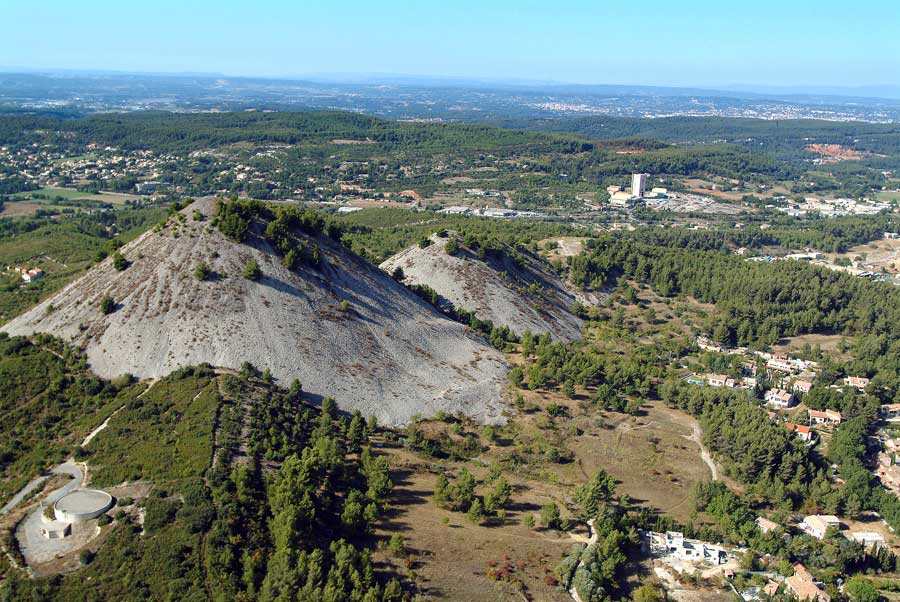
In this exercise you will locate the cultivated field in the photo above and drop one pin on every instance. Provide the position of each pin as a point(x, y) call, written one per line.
point(70, 194)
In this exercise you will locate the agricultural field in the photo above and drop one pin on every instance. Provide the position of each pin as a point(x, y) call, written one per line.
point(888, 196)
point(58, 199)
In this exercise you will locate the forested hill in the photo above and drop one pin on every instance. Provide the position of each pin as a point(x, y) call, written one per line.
point(179, 132)
point(765, 133)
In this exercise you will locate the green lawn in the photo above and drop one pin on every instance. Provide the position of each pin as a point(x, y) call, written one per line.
point(70, 194)
point(888, 196)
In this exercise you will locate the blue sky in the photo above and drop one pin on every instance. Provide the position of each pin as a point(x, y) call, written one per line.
point(653, 42)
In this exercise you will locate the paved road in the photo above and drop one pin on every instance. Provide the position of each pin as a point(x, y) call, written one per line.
point(68, 467)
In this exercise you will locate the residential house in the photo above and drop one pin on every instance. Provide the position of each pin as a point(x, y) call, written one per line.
point(779, 398)
point(771, 588)
point(800, 430)
point(748, 382)
point(802, 386)
point(765, 525)
point(889, 475)
point(707, 345)
point(828, 417)
point(720, 380)
point(858, 382)
point(32, 274)
point(890, 411)
point(780, 364)
point(817, 524)
point(803, 587)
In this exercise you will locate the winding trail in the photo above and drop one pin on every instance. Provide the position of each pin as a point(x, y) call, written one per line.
point(593, 539)
point(97, 430)
point(696, 437)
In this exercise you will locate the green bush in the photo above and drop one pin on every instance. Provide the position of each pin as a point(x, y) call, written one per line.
point(119, 262)
point(550, 516)
point(251, 270)
point(202, 272)
point(107, 305)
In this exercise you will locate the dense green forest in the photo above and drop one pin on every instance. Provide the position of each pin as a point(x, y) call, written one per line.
point(379, 233)
point(185, 132)
point(786, 138)
point(760, 303)
point(828, 235)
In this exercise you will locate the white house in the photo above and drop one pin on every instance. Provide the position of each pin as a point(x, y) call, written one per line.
point(890, 411)
point(800, 431)
point(720, 380)
point(817, 524)
point(779, 398)
point(828, 417)
point(802, 386)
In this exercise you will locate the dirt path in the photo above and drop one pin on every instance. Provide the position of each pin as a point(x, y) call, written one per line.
point(684, 420)
point(696, 437)
point(105, 424)
point(150, 386)
point(593, 539)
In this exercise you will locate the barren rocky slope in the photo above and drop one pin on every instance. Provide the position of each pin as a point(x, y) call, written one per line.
point(388, 353)
point(523, 295)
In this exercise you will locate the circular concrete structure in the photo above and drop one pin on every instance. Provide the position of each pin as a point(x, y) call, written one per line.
point(82, 505)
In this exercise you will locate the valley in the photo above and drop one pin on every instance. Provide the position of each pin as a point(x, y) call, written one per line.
point(327, 356)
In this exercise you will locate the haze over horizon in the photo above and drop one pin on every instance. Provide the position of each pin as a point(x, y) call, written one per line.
point(802, 46)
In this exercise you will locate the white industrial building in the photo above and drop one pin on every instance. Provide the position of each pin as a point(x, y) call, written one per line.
point(638, 184)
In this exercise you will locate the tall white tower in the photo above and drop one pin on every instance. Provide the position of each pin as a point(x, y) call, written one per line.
point(638, 184)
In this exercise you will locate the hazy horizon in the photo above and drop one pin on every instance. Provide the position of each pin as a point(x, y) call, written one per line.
point(870, 90)
point(701, 44)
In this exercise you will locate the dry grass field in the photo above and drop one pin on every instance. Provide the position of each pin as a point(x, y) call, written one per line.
point(829, 343)
point(450, 556)
point(653, 457)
